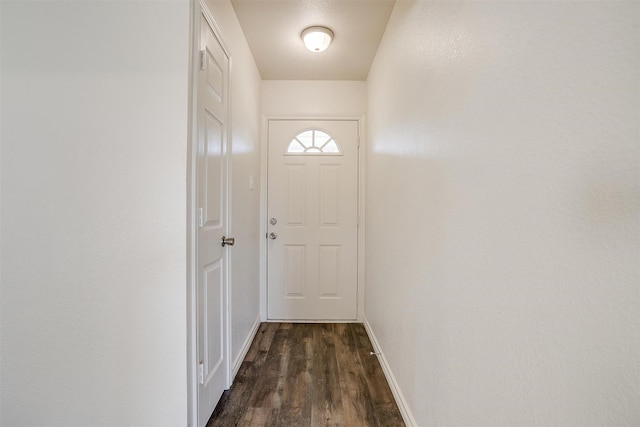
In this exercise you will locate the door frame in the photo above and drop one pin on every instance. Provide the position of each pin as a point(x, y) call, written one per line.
point(198, 9)
point(264, 176)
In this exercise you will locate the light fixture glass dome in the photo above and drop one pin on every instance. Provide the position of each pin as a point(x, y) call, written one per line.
point(317, 39)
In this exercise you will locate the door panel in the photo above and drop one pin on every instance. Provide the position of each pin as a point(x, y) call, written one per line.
point(312, 261)
point(329, 271)
point(295, 261)
point(213, 169)
point(296, 196)
point(329, 195)
point(211, 200)
point(214, 296)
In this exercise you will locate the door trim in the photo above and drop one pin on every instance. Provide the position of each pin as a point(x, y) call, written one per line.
point(198, 9)
point(361, 203)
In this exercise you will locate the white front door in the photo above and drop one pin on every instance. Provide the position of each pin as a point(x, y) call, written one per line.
point(312, 220)
point(211, 205)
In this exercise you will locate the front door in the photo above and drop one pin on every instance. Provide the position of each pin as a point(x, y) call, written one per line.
point(312, 220)
point(211, 205)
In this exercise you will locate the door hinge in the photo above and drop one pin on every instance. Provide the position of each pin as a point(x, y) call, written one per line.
point(201, 373)
point(200, 217)
point(203, 60)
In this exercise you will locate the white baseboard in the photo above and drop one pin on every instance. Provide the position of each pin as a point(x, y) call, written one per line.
point(245, 348)
point(393, 384)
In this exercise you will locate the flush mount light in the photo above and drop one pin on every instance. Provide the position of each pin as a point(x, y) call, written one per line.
point(317, 39)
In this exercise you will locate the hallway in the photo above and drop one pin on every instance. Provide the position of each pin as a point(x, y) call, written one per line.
point(499, 210)
point(309, 375)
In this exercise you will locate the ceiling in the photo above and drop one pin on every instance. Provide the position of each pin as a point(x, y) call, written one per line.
point(273, 28)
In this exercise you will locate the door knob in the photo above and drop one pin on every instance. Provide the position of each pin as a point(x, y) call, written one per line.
point(273, 236)
point(228, 241)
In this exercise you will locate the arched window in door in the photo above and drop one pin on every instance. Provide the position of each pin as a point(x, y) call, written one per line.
point(313, 142)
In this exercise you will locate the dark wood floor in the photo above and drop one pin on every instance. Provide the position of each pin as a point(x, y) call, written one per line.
point(299, 375)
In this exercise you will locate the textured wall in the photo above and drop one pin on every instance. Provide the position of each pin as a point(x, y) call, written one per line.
point(94, 145)
point(502, 209)
point(245, 162)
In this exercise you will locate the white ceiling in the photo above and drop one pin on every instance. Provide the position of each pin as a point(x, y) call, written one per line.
point(273, 28)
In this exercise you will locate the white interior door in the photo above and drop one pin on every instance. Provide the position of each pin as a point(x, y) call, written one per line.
point(211, 203)
point(313, 220)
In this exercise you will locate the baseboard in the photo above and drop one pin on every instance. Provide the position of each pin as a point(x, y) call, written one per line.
point(391, 379)
point(310, 321)
point(245, 348)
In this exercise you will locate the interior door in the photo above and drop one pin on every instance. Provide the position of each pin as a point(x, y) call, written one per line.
point(313, 219)
point(211, 202)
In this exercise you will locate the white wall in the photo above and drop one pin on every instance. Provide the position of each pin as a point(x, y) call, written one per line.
point(94, 144)
point(314, 98)
point(502, 211)
point(245, 133)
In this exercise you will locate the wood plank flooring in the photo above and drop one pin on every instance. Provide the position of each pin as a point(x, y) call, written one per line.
point(301, 374)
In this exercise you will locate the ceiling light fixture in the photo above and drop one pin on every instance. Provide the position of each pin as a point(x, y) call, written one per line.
point(317, 39)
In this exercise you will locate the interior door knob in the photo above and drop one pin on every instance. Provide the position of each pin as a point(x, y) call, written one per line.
point(273, 236)
point(228, 241)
